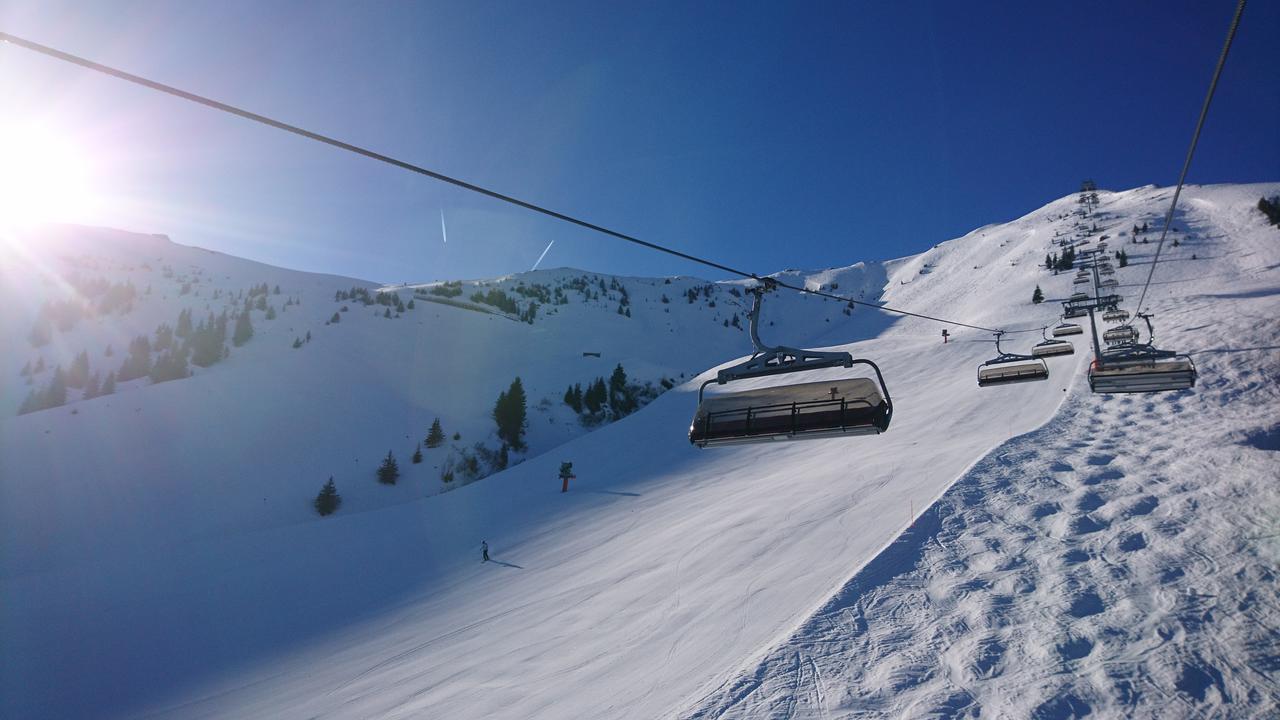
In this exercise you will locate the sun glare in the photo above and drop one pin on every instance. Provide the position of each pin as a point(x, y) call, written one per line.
point(44, 177)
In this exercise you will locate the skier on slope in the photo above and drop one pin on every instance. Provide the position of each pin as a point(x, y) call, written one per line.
point(484, 551)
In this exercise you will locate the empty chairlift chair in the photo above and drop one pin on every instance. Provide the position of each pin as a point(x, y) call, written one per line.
point(846, 406)
point(1121, 335)
point(1067, 328)
point(1140, 367)
point(1116, 315)
point(1008, 368)
point(1049, 347)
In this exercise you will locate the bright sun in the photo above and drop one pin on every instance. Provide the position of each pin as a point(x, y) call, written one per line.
point(44, 177)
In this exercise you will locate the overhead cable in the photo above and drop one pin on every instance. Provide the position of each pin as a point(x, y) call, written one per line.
point(1195, 138)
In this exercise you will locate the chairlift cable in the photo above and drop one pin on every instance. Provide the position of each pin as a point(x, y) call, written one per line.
point(341, 145)
point(1195, 138)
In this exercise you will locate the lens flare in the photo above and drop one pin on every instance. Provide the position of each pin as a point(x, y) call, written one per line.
point(44, 177)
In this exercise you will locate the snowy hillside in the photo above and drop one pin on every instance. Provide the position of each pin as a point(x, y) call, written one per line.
point(161, 556)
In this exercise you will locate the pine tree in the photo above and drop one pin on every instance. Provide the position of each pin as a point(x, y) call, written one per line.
point(56, 394)
point(271, 312)
point(336, 317)
point(109, 385)
point(244, 330)
point(92, 387)
point(620, 399)
point(510, 415)
point(417, 454)
point(170, 366)
point(388, 471)
point(297, 343)
point(184, 328)
point(138, 363)
point(435, 436)
point(328, 499)
point(1037, 297)
point(78, 374)
point(596, 396)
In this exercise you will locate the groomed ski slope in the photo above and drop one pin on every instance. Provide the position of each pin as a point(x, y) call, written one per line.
point(1119, 561)
point(668, 574)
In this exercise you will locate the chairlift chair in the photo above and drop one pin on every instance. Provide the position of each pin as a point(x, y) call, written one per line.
point(1115, 315)
point(1140, 367)
point(847, 406)
point(1079, 296)
point(1007, 368)
point(1109, 283)
point(1067, 328)
point(1049, 348)
point(1120, 335)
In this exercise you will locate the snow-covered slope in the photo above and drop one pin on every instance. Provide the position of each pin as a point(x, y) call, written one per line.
point(160, 555)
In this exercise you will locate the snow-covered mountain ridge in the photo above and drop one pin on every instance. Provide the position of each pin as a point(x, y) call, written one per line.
point(168, 524)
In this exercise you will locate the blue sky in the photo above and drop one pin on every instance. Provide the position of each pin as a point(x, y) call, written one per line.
point(763, 135)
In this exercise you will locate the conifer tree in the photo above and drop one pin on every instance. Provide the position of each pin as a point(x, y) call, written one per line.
point(78, 374)
point(388, 471)
point(109, 385)
point(1037, 297)
point(620, 400)
point(417, 454)
point(92, 387)
point(138, 363)
point(184, 324)
point(435, 436)
point(244, 330)
point(510, 415)
point(56, 394)
point(328, 499)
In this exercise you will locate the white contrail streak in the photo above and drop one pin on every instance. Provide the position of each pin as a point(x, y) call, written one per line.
point(544, 254)
point(443, 233)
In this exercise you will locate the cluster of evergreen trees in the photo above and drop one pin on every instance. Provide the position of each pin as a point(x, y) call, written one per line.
point(448, 290)
point(617, 396)
point(1122, 258)
point(1063, 262)
point(498, 299)
point(50, 396)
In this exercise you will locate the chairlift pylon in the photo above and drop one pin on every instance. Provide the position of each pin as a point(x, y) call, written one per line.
point(1007, 368)
point(838, 407)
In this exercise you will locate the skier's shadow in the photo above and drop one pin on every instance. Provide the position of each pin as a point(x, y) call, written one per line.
point(506, 564)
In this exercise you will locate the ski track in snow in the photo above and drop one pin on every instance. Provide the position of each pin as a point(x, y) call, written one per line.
point(1119, 561)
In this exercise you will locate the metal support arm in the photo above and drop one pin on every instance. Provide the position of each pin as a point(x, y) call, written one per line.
point(767, 360)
